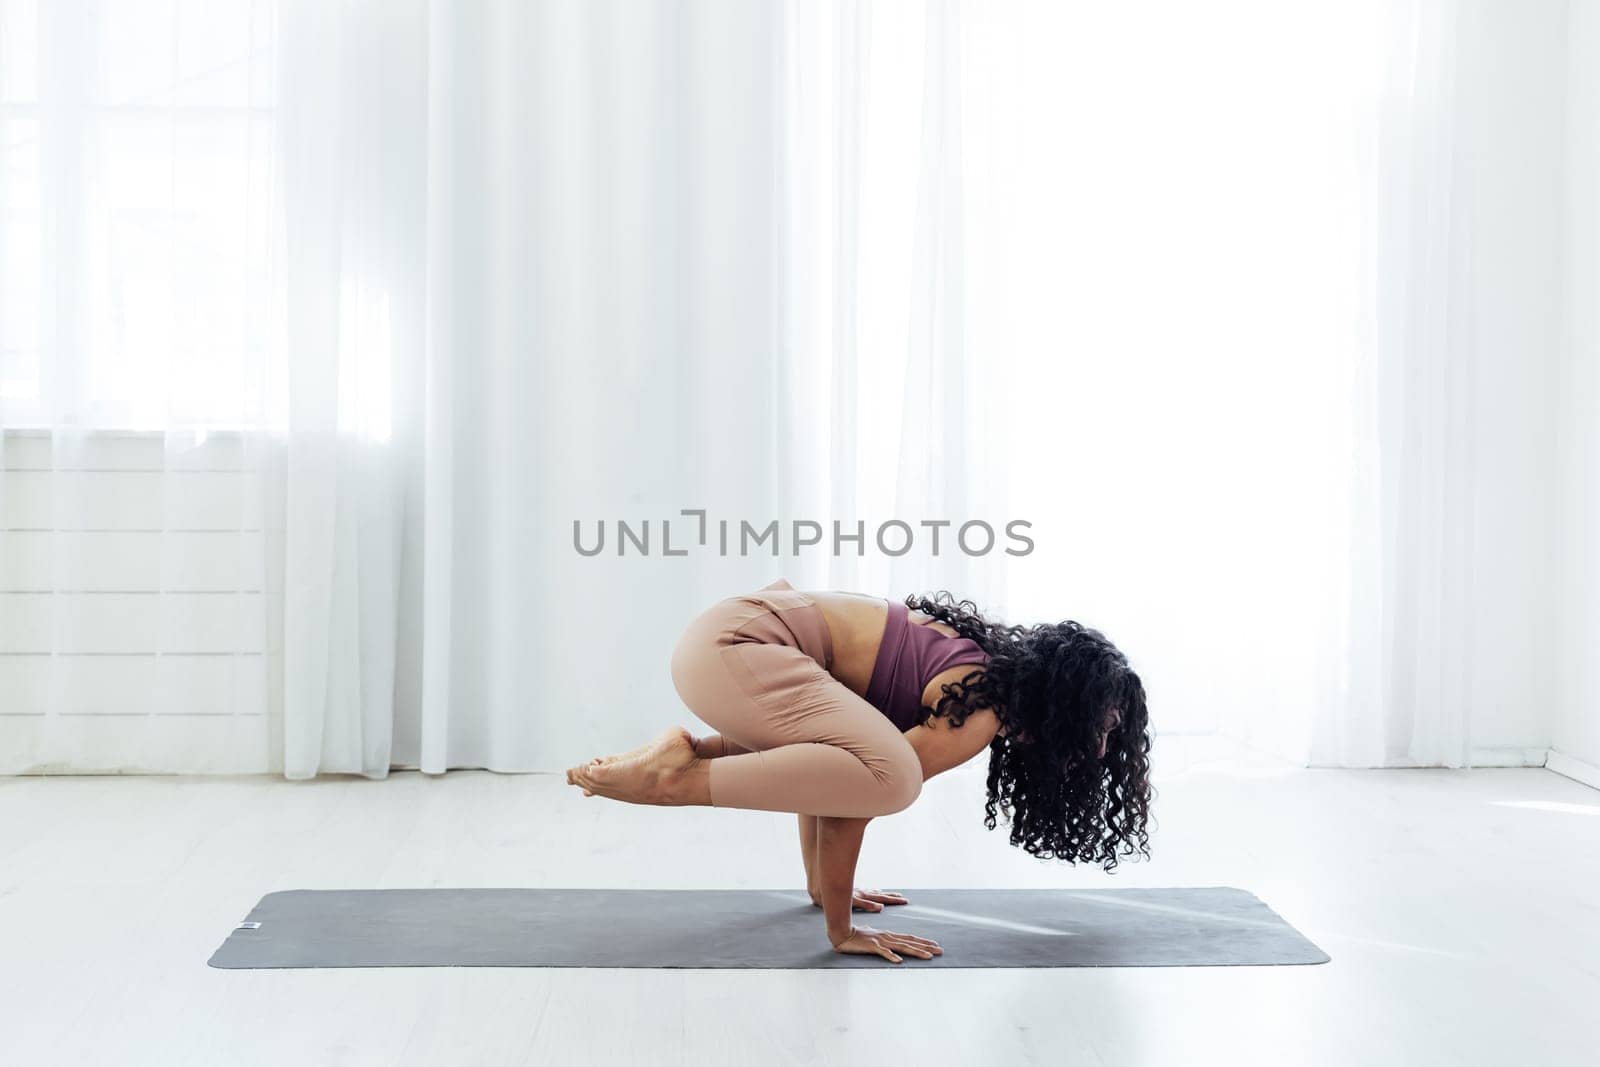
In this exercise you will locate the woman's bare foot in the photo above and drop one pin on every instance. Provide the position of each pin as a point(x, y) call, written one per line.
point(632, 753)
point(701, 745)
point(654, 773)
point(639, 752)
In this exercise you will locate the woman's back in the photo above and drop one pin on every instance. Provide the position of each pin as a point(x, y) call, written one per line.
point(858, 624)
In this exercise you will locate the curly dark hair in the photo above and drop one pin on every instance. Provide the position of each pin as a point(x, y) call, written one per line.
point(1053, 685)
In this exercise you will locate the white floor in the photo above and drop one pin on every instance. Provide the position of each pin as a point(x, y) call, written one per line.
point(1461, 909)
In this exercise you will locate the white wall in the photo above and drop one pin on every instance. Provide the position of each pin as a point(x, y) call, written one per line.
point(1575, 727)
point(1511, 85)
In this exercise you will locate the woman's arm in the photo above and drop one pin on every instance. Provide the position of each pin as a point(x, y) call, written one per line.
point(838, 846)
point(940, 746)
point(861, 899)
point(808, 855)
point(829, 846)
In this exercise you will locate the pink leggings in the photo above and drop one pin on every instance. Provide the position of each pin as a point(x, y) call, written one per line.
point(755, 667)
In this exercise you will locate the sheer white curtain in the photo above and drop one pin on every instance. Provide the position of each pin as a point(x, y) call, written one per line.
point(137, 176)
point(653, 277)
point(352, 139)
point(446, 280)
point(1234, 303)
point(1178, 260)
point(1447, 647)
point(1282, 283)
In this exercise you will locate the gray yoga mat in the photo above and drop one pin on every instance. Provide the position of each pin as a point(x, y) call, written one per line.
point(743, 928)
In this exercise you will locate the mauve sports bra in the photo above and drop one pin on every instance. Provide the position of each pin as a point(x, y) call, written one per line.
point(908, 658)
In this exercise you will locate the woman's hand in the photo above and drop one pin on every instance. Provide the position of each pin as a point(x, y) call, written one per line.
point(865, 899)
point(865, 941)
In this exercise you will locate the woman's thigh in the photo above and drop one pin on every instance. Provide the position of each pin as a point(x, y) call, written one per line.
point(764, 694)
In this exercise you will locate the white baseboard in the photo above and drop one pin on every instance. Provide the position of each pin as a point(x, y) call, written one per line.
point(135, 744)
point(1573, 768)
point(1509, 756)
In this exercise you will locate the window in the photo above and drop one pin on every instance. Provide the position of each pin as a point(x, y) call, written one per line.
point(137, 183)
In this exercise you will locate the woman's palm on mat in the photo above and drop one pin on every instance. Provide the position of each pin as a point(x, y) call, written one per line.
point(867, 899)
point(866, 941)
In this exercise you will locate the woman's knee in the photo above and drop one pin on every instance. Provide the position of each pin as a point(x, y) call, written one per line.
point(905, 792)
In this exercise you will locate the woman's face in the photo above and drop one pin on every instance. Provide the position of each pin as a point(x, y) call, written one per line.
point(1108, 725)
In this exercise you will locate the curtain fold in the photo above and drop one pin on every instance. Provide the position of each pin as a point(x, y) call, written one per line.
point(352, 79)
point(1442, 656)
point(1406, 666)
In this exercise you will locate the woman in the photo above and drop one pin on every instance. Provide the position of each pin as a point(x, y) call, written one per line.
point(838, 706)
